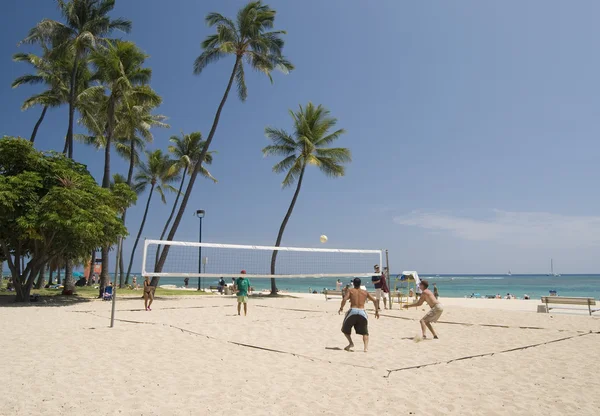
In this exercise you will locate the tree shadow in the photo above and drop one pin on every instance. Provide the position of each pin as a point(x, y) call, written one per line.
point(8, 301)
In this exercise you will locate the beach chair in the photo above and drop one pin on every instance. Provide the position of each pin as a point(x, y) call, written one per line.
point(108, 293)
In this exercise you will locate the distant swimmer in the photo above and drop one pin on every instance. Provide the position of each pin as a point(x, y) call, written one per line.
point(434, 313)
point(356, 317)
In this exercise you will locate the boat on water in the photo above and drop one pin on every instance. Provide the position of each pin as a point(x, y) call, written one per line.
point(509, 273)
point(552, 269)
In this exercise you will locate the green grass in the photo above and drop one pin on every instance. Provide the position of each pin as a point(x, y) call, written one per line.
point(88, 292)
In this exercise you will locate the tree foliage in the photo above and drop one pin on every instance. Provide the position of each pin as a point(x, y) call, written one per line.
point(51, 207)
point(308, 145)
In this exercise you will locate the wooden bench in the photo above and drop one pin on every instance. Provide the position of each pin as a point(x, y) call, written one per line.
point(331, 293)
point(562, 300)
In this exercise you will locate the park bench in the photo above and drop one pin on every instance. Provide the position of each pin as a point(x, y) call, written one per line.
point(563, 300)
point(331, 293)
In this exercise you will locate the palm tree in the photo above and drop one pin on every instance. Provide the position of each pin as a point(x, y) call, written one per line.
point(249, 39)
point(119, 69)
point(51, 72)
point(309, 145)
point(132, 131)
point(187, 150)
point(87, 25)
point(159, 173)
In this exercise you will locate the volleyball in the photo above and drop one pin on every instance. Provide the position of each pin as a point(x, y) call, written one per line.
point(323, 239)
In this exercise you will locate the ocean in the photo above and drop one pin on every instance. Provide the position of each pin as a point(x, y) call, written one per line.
point(454, 286)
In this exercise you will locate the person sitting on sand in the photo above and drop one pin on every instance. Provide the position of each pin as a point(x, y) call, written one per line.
point(357, 316)
point(434, 313)
point(134, 282)
point(148, 293)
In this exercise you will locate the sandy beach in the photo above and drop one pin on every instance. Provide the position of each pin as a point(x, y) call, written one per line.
point(192, 356)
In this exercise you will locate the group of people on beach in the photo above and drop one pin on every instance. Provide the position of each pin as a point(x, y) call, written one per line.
point(357, 318)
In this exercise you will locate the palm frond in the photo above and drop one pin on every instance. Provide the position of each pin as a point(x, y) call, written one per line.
point(278, 150)
point(207, 57)
point(335, 154)
point(285, 164)
point(293, 174)
point(241, 82)
point(279, 137)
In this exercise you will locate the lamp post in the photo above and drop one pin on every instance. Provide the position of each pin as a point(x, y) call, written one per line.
point(200, 214)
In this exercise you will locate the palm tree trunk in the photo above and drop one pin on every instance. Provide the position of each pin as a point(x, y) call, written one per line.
point(131, 162)
point(121, 261)
point(282, 229)
point(69, 138)
point(37, 125)
point(42, 275)
point(109, 133)
point(188, 191)
point(91, 273)
point(164, 231)
point(129, 181)
point(50, 277)
point(58, 280)
point(104, 278)
point(137, 239)
point(69, 283)
point(106, 184)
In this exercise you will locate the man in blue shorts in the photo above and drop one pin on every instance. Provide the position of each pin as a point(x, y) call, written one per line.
point(356, 317)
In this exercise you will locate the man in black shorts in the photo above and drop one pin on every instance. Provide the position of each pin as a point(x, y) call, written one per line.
point(356, 317)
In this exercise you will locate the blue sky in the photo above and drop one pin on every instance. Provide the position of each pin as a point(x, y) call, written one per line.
point(473, 127)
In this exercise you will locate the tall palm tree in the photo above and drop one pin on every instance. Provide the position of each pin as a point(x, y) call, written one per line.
point(158, 173)
point(249, 39)
point(87, 25)
point(187, 150)
point(133, 129)
point(309, 145)
point(119, 69)
point(53, 73)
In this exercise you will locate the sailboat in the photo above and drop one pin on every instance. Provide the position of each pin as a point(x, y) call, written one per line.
point(552, 268)
point(509, 273)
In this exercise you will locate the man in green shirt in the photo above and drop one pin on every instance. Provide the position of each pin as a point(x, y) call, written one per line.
point(243, 287)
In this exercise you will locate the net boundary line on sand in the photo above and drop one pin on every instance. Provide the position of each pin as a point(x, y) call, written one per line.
point(389, 372)
point(489, 354)
point(163, 243)
point(239, 344)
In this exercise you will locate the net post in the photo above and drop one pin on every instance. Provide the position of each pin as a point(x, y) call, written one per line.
point(144, 254)
point(387, 265)
point(114, 291)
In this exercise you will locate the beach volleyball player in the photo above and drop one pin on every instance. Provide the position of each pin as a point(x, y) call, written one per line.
point(357, 317)
point(433, 314)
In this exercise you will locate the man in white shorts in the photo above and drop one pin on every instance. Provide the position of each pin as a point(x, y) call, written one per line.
point(381, 289)
point(433, 314)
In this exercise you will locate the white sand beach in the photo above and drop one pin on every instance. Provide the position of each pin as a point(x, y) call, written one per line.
point(192, 356)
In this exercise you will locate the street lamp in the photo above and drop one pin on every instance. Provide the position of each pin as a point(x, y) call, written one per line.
point(200, 214)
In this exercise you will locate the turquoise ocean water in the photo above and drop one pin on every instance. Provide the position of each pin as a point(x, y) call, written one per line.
point(455, 286)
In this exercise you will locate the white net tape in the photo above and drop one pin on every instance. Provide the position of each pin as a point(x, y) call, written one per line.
point(227, 260)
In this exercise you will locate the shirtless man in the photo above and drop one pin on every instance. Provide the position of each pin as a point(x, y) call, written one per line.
point(434, 313)
point(357, 316)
